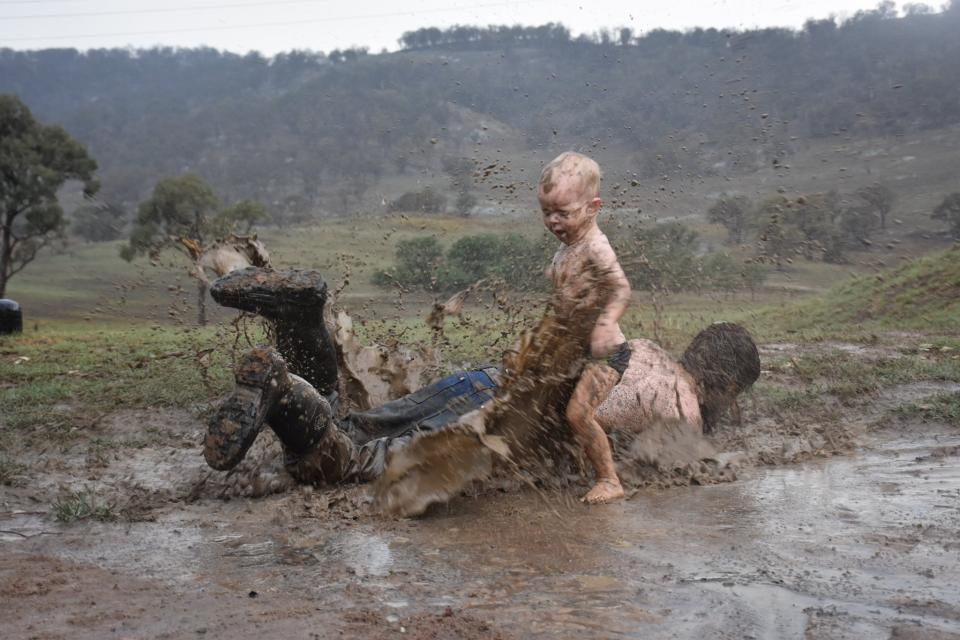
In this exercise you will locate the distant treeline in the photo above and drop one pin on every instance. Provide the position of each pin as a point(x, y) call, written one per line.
point(308, 131)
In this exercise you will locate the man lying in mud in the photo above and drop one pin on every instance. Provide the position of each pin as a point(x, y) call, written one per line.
point(292, 389)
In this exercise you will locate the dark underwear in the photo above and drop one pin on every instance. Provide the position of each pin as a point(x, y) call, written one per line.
point(619, 359)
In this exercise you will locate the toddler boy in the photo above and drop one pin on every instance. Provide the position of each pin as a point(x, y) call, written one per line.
point(569, 194)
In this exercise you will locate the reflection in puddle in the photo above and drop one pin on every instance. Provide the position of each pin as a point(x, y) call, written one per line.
point(363, 553)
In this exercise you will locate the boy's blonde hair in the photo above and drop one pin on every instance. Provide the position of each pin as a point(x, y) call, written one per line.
point(577, 165)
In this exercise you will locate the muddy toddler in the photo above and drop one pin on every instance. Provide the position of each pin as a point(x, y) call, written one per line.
point(569, 195)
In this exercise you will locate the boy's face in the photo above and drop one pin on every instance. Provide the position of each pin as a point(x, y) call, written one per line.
point(567, 212)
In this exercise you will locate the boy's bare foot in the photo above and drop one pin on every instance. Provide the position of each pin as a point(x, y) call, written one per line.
point(606, 490)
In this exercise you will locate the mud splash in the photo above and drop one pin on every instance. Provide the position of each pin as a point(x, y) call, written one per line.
point(375, 374)
point(523, 433)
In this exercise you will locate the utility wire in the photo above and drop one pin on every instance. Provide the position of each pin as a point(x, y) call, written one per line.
point(286, 23)
point(209, 7)
point(39, 1)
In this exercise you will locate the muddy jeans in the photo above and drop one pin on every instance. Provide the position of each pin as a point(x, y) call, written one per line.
point(354, 449)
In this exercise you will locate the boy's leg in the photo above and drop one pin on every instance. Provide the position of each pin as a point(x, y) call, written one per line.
point(592, 388)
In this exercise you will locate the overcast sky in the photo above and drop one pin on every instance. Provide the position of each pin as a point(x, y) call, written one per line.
point(271, 27)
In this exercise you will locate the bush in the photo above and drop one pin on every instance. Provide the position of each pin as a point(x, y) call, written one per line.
point(416, 265)
point(512, 259)
point(424, 201)
point(522, 262)
point(722, 272)
point(663, 257)
point(660, 257)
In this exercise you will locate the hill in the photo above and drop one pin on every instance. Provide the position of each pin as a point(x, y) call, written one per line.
point(319, 135)
point(922, 294)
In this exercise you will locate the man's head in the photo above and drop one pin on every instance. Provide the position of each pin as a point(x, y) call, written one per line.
point(569, 194)
point(724, 361)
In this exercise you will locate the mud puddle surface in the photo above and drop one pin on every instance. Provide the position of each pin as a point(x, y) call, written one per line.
point(854, 547)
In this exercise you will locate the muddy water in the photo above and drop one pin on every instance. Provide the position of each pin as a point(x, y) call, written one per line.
point(866, 546)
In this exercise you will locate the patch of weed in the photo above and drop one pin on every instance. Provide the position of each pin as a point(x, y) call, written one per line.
point(10, 472)
point(775, 398)
point(943, 407)
point(848, 376)
point(82, 505)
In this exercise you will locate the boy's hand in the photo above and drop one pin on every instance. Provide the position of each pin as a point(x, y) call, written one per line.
point(603, 340)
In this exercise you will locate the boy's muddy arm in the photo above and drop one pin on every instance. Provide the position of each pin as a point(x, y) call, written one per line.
point(605, 334)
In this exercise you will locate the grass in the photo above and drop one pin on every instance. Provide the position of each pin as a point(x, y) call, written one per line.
point(813, 382)
point(82, 505)
point(923, 294)
point(59, 379)
point(778, 400)
point(943, 407)
point(10, 471)
point(847, 376)
point(57, 383)
point(91, 281)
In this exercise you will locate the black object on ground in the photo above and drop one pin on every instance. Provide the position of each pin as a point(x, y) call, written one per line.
point(11, 317)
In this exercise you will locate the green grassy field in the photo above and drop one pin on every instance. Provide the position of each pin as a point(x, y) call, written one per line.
point(92, 281)
point(58, 380)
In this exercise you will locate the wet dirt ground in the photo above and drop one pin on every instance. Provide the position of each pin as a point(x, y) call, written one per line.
point(842, 524)
point(862, 546)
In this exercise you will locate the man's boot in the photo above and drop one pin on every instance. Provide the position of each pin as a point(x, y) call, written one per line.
point(293, 302)
point(261, 380)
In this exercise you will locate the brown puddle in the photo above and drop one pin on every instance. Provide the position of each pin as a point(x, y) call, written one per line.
point(860, 546)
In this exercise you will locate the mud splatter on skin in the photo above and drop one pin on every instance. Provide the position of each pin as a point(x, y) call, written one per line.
point(522, 424)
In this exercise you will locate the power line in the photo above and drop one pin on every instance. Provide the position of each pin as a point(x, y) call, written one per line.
point(39, 1)
point(286, 23)
point(209, 7)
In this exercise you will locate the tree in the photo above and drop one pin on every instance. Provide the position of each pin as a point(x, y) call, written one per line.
point(471, 258)
point(100, 222)
point(776, 238)
point(425, 201)
point(184, 213)
point(460, 171)
point(660, 258)
point(949, 211)
point(35, 161)
point(816, 217)
point(731, 212)
point(880, 199)
point(244, 215)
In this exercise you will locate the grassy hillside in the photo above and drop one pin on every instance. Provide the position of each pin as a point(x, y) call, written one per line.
point(921, 295)
point(313, 135)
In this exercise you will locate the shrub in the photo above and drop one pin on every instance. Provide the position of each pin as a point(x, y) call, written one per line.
point(417, 261)
point(424, 201)
point(512, 259)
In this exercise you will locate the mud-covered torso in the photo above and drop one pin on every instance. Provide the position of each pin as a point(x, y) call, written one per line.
point(572, 262)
